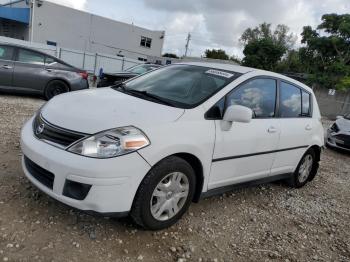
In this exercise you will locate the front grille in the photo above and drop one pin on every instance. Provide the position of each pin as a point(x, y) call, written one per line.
point(347, 146)
point(53, 134)
point(42, 175)
point(342, 137)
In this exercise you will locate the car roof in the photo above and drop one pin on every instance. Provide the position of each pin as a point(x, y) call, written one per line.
point(244, 70)
point(228, 67)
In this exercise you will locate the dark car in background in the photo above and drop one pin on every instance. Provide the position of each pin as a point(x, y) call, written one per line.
point(27, 71)
point(338, 134)
point(111, 79)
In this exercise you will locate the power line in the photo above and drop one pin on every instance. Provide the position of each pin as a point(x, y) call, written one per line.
point(187, 43)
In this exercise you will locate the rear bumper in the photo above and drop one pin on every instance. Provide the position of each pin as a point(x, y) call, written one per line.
point(79, 85)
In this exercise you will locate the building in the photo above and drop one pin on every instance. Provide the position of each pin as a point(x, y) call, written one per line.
point(48, 23)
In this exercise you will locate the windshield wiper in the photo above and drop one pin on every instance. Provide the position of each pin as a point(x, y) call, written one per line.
point(149, 95)
point(120, 85)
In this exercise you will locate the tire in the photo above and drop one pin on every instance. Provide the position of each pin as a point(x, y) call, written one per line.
point(158, 191)
point(305, 170)
point(54, 88)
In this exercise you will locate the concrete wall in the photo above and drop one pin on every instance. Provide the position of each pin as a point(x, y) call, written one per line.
point(332, 105)
point(78, 30)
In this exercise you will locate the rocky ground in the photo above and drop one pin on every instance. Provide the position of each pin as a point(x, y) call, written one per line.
point(265, 223)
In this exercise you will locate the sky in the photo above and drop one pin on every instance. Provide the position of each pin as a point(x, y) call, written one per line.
point(212, 23)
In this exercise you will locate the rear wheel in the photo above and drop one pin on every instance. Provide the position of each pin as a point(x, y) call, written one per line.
point(306, 169)
point(165, 194)
point(54, 88)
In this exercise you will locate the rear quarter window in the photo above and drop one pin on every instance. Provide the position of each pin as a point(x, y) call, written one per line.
point(306, 104)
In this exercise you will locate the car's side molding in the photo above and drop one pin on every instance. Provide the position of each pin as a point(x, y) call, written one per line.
point(265, 180)
point(258, 153)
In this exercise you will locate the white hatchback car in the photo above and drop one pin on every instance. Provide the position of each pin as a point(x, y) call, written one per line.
point(150, 146)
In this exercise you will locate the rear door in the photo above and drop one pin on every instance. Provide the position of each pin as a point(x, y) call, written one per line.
point(295, 111)
point(6, 66)
point(30, 73)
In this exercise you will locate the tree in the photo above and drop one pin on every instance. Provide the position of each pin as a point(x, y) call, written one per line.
point(280, 36)
point(235, 59)
point(264, 48)
point(263, 54)
point(170, 55)
point(291, 62)
point(216, 54)
point(328, 51)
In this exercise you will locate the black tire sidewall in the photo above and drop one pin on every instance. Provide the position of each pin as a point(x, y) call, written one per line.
point(165, 167)
point(51, 85)
point(296, 181)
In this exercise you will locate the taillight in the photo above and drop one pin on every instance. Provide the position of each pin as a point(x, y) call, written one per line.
point(84, 75)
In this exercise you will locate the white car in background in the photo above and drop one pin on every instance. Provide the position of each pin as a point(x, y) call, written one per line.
point(150, 146)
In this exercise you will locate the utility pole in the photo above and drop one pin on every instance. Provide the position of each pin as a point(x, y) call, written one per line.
point(32, 20)
point(187, 43)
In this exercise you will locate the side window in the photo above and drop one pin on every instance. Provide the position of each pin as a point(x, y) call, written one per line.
point(50, 61)
point(27, 56)
point(6, 52)
point(306, 108)
point(257, 94)
point(290, 100)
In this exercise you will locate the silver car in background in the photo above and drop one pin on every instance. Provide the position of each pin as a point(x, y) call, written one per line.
point(27, 71)
point(338, 134)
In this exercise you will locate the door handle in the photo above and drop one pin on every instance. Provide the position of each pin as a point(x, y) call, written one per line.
point(7, 67)
point(308, 127)
point(272, 129)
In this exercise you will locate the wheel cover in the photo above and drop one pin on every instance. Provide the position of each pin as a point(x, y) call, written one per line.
point(305, 168)
point(169, 196)
point(57, 89)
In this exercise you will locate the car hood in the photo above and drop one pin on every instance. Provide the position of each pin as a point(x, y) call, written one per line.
point(92, 111)
point(343, 124)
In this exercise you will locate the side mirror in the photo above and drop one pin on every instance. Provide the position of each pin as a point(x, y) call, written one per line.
point(236, 113)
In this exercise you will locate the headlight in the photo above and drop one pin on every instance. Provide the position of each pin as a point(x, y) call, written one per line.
point(111, 143)
point(334, 128)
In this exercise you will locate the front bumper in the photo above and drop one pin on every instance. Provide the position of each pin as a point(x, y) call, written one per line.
point(333, 141)
point(113, 181)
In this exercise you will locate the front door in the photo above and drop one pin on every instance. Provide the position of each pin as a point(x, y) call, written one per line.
point(6, 66)
point(246, 151)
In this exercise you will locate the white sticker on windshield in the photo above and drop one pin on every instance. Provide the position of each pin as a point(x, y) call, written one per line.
point(219, 73)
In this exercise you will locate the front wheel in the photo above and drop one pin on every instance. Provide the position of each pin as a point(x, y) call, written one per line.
point(165, 194)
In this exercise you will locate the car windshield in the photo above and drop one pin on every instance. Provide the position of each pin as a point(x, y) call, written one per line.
point(184, 86)
point(141, 69)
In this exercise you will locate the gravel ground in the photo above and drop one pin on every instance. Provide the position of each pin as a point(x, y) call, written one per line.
point(265, 223)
